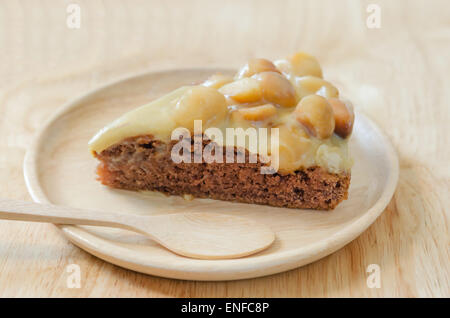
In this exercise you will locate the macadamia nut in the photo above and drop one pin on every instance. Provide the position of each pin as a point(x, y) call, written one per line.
point(308, 85)
point(255, 66)
point(316, 115)
point(217, 80)
point(277, 89)
point(343, 117)
point(258, 113)
point(300, 64)
point(200, 103)
point(304, 64)
point(245, 90)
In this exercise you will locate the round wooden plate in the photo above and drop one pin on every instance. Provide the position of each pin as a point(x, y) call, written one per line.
point(59, 169)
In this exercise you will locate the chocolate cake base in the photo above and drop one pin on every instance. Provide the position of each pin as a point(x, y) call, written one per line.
point(143, 163)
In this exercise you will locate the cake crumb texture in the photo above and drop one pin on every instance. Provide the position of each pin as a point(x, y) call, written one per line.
point(143, 163)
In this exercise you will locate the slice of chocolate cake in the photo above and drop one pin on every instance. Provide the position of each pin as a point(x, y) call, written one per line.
point(275, 134)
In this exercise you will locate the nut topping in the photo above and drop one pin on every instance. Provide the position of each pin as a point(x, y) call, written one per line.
point(300, 64)
point(255, 66)
point(217, 80)
point(316, 115)
point(308, 85)
point(258, 113)
point(277, 89)
point(200, 103)
point(343, 117)
point(245, 90)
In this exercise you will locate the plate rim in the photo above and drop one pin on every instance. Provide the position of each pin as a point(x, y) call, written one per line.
point(285, 260)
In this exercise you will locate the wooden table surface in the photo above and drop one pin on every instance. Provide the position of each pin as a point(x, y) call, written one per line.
point(398, 74)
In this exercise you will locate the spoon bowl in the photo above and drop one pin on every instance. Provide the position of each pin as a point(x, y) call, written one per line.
point(208, 235)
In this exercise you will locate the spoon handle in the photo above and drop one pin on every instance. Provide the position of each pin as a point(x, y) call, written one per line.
point(38, 212)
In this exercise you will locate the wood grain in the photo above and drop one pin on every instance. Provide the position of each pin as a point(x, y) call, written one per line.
point(397, 74)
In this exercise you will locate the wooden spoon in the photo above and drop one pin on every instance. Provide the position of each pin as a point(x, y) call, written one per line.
point(196, 235)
